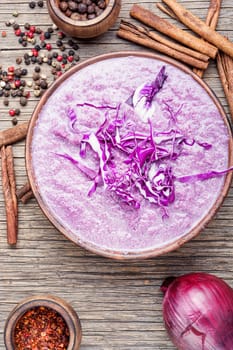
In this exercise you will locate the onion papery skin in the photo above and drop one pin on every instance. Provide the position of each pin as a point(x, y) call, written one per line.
point(198, 312)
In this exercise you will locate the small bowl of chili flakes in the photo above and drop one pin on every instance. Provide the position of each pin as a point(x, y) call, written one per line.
point(43, 322)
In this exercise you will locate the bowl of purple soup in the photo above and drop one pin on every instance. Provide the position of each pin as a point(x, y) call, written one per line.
point(128, 155)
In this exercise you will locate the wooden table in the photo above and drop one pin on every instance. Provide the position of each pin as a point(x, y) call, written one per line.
point(119, 303)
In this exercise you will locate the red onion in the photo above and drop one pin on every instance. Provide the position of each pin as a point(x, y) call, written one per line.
point(198, 312)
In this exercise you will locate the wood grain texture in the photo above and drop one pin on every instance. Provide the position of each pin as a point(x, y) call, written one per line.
point(119, 303)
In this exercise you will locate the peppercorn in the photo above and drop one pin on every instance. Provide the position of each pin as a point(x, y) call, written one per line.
point(48, 47)
point(12, 112)
point(40, 3)
point(24, 71)
point(27, 26)
point(23, 101)
point(75, 47)
point(18, 60)
point(38, 30)
point(47, 35)
point(6, 102)
point(44, 84)
point(15, 26)
point(42, 44)
point(59, 43)
point(7, 86)
point(14, 121)
point(36, 76)
point(37, 47)
point(32, 4)
point(17, 111)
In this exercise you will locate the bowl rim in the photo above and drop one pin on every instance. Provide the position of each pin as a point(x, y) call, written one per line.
point(53, 302)
point(136, 254)
point(86, 23)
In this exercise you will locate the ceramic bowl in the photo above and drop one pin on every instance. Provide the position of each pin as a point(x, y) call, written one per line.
point(85, 29)
point(55, 303)
point(152, 241)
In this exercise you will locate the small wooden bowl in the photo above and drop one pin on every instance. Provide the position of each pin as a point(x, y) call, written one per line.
point(49, 301)
point(87, 28)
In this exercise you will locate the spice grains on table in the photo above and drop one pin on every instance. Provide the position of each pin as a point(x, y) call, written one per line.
point(119, 303)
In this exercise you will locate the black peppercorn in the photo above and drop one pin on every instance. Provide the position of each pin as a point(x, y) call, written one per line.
point(14, 121)
point(27, 26)
point(23, 101)
point(32, 4)
point(47, 35)
point(40, 3)
point(59, 43)
point(37, 69)
point(24, 71)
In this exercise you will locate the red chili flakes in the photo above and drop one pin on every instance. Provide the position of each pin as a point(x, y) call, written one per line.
point(41, 328)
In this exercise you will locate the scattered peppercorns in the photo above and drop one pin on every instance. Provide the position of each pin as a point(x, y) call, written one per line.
point(60, 56)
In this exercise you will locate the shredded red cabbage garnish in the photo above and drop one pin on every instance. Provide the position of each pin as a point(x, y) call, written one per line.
point(136, 164)
point(141, 99)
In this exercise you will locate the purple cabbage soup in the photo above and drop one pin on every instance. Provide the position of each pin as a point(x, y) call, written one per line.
point(129, 154)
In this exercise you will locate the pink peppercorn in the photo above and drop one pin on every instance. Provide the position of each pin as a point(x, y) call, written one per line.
point(18, 32)
point(12, 112)
point(34, 52)
point(17, 83)
point(59, 58)
point(32, 29)
point(30, 35)
point(70, 58)
point(11, 69)
point(48, 47)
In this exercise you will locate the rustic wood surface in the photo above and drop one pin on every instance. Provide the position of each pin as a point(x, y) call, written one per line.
point(119, 303)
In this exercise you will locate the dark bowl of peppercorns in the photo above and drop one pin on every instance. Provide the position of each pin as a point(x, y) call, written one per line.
point(84, 19)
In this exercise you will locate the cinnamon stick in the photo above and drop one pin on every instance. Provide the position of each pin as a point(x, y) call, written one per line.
point(149, 18)
point(25, 198)
point(162, 40)
point(22, 190)
point(225, 69)
point(200, 27)
point(211, 21)
point(11, 176)
point(7, 184)
point(166, 10)
point(14, 134)
point(141, 36)
point(24, 193)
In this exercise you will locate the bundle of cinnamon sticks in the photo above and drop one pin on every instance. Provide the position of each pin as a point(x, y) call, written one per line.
point(7, 138)
point(181, 45)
